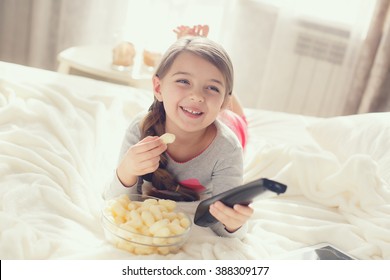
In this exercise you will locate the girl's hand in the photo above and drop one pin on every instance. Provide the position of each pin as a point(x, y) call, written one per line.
point(232, 218)
point(140, 159)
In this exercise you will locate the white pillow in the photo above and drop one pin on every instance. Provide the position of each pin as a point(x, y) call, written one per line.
point(356, 134)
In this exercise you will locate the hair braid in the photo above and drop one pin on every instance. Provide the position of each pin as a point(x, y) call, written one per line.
point(165, 185)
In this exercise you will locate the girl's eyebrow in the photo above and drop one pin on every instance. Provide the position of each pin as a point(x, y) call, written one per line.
point(217, 81)
point(187, 73)
point(181, 73)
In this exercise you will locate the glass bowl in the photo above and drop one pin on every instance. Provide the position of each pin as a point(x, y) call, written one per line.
point(145, 225)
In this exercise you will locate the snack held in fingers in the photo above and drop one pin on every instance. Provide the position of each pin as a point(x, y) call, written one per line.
point(168, 138)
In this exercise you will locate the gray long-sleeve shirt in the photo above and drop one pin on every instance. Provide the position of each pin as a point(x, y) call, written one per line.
point(217, 169)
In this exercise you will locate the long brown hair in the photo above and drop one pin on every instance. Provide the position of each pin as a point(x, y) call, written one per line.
point(164, 184)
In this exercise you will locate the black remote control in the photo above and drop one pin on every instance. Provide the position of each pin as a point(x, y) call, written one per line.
point(240, 195)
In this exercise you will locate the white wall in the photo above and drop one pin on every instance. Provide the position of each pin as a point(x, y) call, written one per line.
point(247, 35)
point(262, 40)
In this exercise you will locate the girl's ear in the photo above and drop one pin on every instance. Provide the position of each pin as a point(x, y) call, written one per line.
point(227, 103)
point(156, 88)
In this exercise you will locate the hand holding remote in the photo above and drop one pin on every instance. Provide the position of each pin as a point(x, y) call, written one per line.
point(243, 195)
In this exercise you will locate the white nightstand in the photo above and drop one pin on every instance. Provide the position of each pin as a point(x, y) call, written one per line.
point(96, 62)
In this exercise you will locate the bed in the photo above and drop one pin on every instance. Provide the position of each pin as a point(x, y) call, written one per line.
point(59, 142)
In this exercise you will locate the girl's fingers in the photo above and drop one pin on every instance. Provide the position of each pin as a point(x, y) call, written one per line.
point(232, 218)
point(143, 157)
point(148, 166)
point(243, 210)
point(225, 213)
point(148, 148)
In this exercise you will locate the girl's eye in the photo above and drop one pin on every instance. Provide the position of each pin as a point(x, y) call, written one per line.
point(183, 81)
point(213, 88)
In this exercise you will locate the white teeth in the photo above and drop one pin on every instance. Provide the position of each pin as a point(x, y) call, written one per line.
point(191, 111)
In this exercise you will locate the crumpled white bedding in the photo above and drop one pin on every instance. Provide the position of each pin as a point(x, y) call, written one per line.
point(59, 141)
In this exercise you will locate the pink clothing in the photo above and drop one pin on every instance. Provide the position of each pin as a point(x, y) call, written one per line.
point(238, 124)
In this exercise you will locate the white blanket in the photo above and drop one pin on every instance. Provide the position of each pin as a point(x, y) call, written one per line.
point(59, 141)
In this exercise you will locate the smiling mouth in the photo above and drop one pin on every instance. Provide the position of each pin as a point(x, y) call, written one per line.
point(191, 111)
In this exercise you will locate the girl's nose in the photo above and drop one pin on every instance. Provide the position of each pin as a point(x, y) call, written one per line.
point(196, 96)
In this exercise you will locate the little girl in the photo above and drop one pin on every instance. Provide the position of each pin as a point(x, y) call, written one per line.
point(192, 87)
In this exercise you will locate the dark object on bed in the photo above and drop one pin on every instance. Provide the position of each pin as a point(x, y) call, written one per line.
point(243, 195)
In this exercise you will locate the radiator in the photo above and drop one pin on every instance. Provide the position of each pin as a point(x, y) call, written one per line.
point(309, 70)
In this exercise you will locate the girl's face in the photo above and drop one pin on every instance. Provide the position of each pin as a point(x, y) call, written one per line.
point(193, 92)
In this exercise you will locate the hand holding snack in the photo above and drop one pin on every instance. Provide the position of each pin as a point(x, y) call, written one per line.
point(140, 159)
